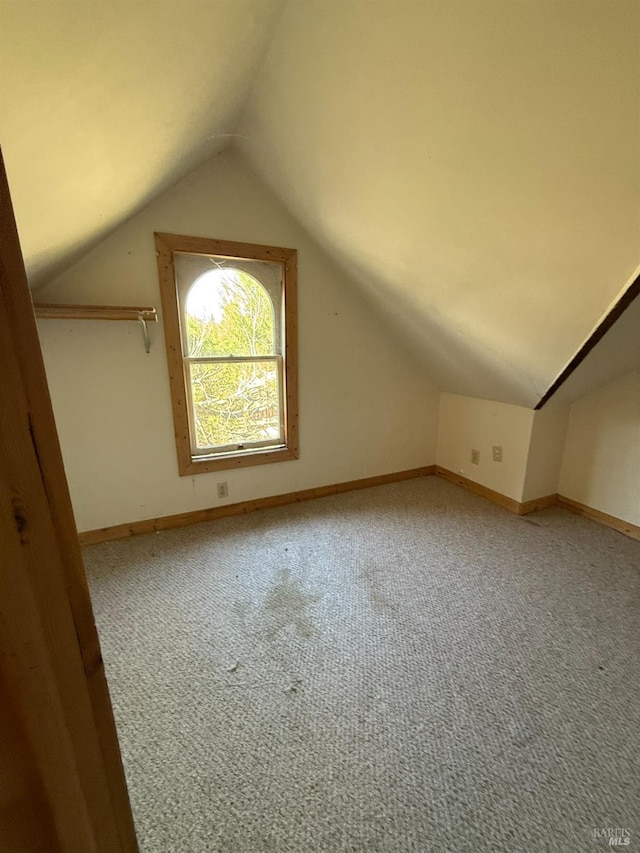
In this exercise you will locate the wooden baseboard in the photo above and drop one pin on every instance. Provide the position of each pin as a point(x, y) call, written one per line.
point(478, 489)
point(167, 522)
point(537, 503)
point(121, 531)
point(517, 507)
point(626, 527)
point(525, 507)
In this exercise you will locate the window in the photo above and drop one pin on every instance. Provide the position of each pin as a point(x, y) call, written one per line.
point(230, 324)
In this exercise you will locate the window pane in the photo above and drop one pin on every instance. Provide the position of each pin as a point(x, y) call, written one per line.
point(236, 403)
point(228, 312)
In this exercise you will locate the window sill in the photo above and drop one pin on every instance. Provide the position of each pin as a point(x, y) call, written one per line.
point(243, 459)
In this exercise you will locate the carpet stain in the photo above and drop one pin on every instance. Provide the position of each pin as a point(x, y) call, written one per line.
point(378, 598)
point(287, 603)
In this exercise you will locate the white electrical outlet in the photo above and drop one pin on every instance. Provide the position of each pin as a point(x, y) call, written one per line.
point(475, 457)
point(223, 490)
point(497, 453)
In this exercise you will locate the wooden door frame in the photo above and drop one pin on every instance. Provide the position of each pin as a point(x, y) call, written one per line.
point(50, 660)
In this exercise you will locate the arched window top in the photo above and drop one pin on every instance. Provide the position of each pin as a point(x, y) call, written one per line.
point(228, 312)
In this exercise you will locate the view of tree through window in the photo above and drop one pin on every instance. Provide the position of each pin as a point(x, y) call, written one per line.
point(232, 357)
point(230, 320)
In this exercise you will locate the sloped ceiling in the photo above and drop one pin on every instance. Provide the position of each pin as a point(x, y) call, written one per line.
point(103, 105)
point(474, 166)
point(617, 354)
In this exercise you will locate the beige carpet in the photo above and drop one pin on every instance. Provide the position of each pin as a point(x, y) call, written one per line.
point(406, 668)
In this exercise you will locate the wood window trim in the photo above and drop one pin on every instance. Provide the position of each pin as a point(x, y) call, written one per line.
point(166, 245)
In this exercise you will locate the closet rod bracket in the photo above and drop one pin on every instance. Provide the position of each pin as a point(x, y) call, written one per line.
point(145, 333)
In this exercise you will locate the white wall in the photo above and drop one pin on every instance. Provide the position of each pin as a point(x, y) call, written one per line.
point(366, 407)
point(467, 423)
point(545, 451)
point(589, 451)
point(601, 465)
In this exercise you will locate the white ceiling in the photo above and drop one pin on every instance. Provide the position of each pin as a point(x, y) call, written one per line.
point(105, 104)
point(616, 354)
point(473, 164)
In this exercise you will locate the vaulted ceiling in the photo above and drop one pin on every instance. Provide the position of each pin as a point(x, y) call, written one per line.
point(473, 164)
point(105, 104)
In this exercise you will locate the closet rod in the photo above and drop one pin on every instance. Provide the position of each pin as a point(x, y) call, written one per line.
point(59, 311)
